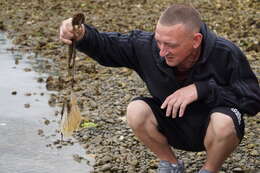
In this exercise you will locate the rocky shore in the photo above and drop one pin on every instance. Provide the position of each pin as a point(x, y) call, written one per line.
point(105, 92)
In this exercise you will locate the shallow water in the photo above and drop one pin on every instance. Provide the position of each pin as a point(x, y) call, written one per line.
point(22, 149)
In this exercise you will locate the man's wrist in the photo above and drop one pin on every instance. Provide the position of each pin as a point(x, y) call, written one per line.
point(83, 32)
point(202, 89)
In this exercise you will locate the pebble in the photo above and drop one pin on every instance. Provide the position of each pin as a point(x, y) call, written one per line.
point(105, 159)
point(254, 153)
point(40, 80)
point(237, 169)
point(77, 158)
point(105, 167)
point(40, 132)
point(27, 105)
point(27, 69)
point(14, 92)
point(28, 94)
point(46, 122)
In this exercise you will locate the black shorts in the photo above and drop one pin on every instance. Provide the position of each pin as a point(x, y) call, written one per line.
point(188, 132)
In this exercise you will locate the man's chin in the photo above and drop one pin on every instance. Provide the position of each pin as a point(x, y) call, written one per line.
point(170, 63)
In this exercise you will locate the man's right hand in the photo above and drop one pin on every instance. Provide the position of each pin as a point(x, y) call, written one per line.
point(67, 34)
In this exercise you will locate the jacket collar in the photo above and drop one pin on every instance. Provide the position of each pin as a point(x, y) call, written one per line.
point(208, 42)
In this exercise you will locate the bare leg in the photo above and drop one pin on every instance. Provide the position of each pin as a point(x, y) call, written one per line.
point(220, 141)
point(144, 125)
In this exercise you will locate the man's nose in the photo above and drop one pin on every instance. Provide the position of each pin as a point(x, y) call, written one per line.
point(163, 51)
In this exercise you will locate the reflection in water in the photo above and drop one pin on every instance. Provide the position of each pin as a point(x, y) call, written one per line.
point(27, 141)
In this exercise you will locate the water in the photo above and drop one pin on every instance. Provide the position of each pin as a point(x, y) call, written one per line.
point(22, 149)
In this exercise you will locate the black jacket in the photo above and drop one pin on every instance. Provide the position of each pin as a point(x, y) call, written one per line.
point(222, 75)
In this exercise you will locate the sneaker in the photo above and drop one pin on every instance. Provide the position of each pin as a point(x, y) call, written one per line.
point(167, 167)
point(204, 171)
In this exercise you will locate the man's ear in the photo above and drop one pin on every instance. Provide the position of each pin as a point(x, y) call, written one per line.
point(197, 40)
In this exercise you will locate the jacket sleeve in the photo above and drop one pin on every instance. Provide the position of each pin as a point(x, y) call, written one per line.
point(109, 48)
point(242, 92)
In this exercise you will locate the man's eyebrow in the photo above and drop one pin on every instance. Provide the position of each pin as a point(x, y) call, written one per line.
point(171, 43)
point(166, 42)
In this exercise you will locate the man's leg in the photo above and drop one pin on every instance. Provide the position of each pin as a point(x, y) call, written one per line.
point(220, 141)
point(144, 125)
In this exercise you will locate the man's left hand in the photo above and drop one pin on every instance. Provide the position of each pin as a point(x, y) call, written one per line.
point(179, 100)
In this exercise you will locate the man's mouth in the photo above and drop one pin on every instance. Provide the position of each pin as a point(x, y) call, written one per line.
point(169, 57)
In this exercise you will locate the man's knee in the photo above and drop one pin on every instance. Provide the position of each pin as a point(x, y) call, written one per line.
point(222, 126)
point(138, 113)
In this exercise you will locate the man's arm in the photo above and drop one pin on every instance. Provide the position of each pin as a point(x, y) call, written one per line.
point(108, 48)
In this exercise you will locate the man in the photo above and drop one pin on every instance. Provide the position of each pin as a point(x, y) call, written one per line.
point(201, 85)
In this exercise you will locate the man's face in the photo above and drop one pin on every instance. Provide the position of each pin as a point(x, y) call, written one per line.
point(175, 43)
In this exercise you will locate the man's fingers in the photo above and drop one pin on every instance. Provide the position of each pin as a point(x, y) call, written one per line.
point(182, 109)
point(69, 42)
point(66, 31)
point(175, 109)
point(65, 38)
point(169, 110)
point(166, 101)
point(170, 106)
point(164, 104)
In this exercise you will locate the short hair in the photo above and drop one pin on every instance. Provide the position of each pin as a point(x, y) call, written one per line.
point(181, 14)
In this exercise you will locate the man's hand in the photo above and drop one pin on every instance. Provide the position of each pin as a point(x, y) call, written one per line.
point(67, 34)
point(179, 100)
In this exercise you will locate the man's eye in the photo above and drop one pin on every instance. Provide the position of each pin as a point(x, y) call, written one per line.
point(172, 45)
